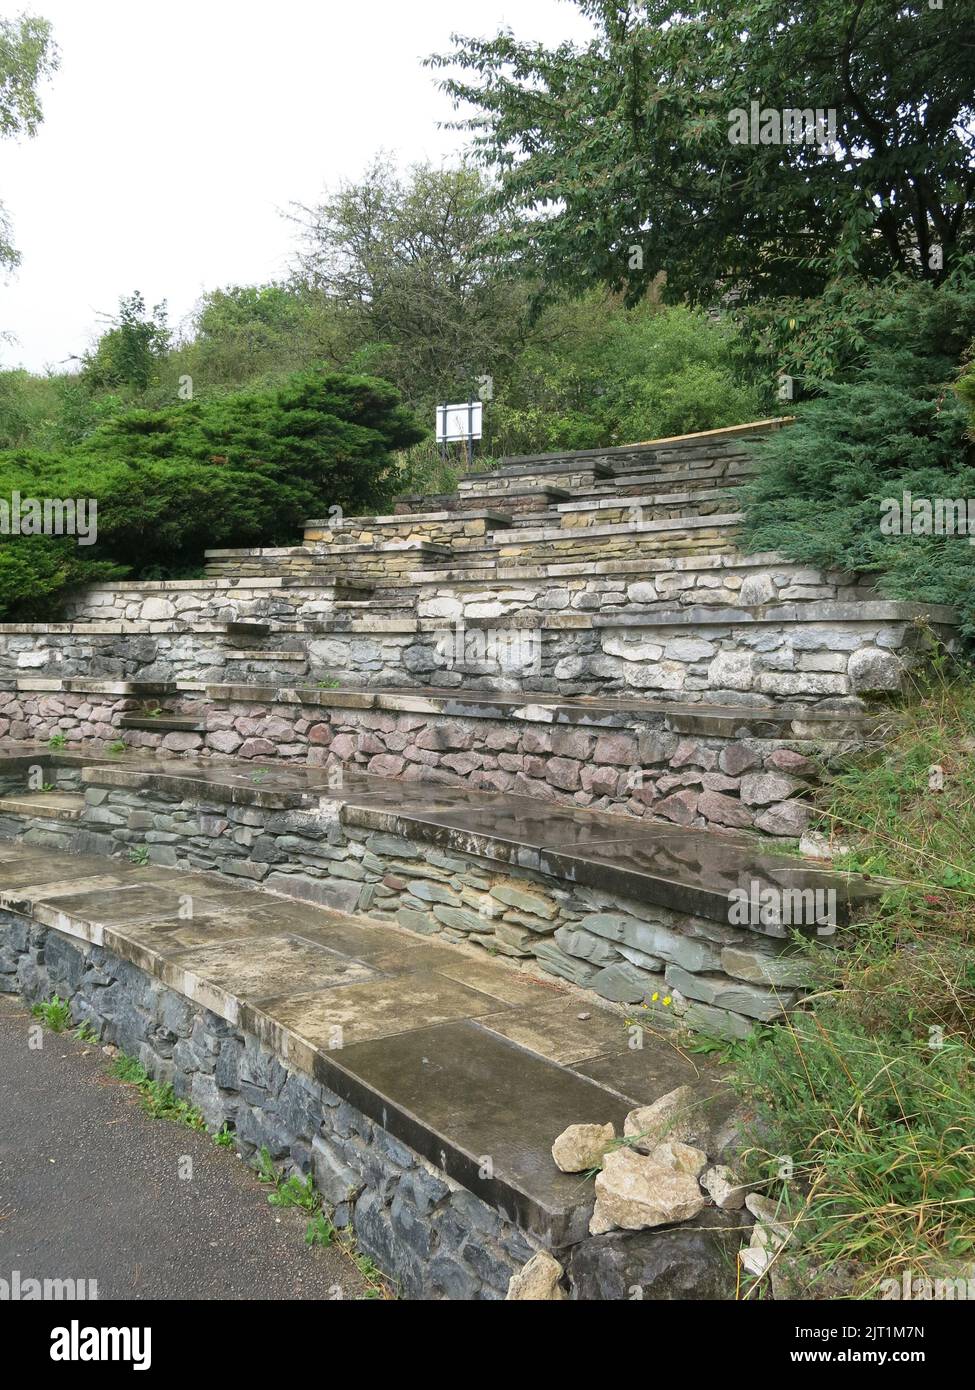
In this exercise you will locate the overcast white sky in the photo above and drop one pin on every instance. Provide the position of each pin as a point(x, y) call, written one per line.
point(175, 133)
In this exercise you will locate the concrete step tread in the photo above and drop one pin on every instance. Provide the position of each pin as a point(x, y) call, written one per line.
point(394, 519)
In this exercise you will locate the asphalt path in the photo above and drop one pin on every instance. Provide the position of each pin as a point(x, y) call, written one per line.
point(93, 1188)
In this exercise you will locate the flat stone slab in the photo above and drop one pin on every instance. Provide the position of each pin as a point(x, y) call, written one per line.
point(689, 871)
point(377, 1009)
point(556, 1031)
point(485, 1111)
point(53, 805)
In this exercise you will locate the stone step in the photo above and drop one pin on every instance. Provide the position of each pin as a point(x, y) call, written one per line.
point(679, 451)
point(43, 805)
point(681, 526)
point(519, 475)
point(634, 510)
point(304, 562)
point(212, 603)
point(428, 1032)
point(533, 498)
point(450, 528)
point(684, 870)
point(699, 765)
point(162, 724)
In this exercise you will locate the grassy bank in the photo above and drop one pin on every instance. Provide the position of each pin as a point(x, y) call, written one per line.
point(869, 1102)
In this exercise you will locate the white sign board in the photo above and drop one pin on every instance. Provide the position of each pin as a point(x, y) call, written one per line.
point(462, 421)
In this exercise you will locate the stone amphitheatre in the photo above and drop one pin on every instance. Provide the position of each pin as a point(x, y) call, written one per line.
point(404, 849)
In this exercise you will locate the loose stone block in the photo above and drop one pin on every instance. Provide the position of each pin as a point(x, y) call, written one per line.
point(582, 1147)
point(634, 1193)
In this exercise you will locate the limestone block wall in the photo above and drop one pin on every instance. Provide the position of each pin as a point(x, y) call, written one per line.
point(104, 651)
point(706, 580)
point(806, 653)
point(449, 528)
point(183, 604)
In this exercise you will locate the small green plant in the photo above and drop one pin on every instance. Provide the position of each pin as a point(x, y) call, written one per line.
point(319, 1230)
point(292, 1191)
point(328, 684)
point(129, 1069)
point(259, 776)
point(139, 854)
point(373, 1275)
point(299, 1192)
point(266, 1171)
point(225, 1137)
point(47, 787)
point(55, 1013)
point(86, 1033)
point(728, 1050)
point(161, 1102)
point(117, 747)
point(57, 741)
point(158, 1100)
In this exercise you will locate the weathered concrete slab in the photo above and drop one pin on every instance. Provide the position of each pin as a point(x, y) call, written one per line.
point(486, 1111)
point(218, 976)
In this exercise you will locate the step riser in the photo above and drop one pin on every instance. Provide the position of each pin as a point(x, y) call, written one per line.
point(826, 655)
point(714, 579)
point(188, 609)
point(638, 765)
point(436, 527)
point(322, 569)
point(670, 584)
point(565, 475)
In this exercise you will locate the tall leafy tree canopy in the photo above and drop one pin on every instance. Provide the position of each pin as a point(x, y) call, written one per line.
point(27, 57)
point(403, 258)
point(617, 156)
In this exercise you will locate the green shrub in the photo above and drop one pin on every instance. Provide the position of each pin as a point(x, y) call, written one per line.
point(596, 374)
point(240, 470)
point(887, 421)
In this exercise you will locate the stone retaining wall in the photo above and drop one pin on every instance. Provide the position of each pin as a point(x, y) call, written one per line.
point(736, 580)
point(79, 653)
point(434, 1238)
point(737, 780)
point(182, 606)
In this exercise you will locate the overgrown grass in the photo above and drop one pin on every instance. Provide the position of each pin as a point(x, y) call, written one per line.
point(870, 1100)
